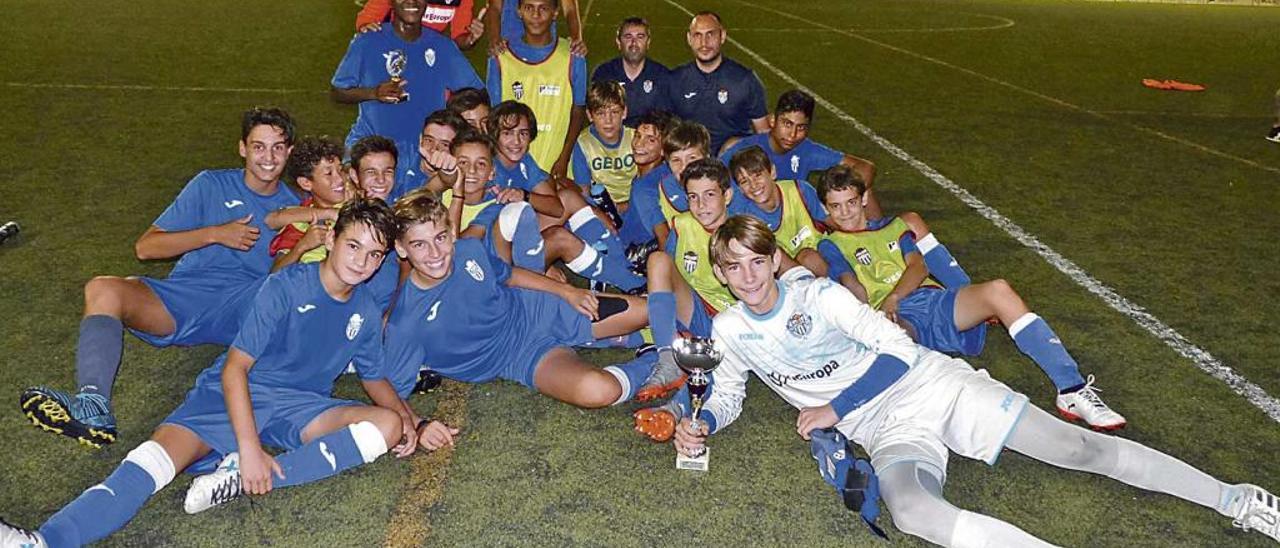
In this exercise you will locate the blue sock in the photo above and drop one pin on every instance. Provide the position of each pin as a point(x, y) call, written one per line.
point(102, 509)
point(613, 256)
point(635, 372)
point(615, 269)
point(1035, 339)
point(519, 224)
point(942, 266)
point(662, 318)
point(325, 456)
point(98, 352)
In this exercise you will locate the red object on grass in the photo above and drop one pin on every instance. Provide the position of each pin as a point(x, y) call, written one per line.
point(1172, 85)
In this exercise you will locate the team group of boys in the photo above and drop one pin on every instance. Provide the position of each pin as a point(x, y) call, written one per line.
point(431, 244)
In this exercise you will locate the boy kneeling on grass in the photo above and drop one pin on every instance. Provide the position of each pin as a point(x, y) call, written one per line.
point(272, 387)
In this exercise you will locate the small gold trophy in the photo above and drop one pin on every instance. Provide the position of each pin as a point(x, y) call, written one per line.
point(697, 357)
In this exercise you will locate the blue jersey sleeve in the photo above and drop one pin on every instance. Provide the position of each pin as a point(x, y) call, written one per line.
point(578, 79)
point(501, 270)
point(461, 73)
point(493, 81)
point(818, 156)
point(907, 243)
point(348, 74)
point(187, 210)
point(266, 318)
point(756, 108)
point(662, 101)
point(579, 169)
point(673, 238)
point(536, 174)
point(644, 198)
point(811, 201)
point(835, 259)
point(884, 371)
point(368, 358)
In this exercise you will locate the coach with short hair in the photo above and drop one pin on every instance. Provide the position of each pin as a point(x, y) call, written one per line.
point(716, 91)
point(647, 82)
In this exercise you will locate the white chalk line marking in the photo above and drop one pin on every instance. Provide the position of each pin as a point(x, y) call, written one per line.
point(1020, 89)
point(135, 87)
point(1180, 344)
point(1001, 23)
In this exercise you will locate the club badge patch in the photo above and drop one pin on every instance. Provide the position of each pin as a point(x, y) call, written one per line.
point(690, 261)
point(648, 86)
point(863, 256)
point(353, 326)
point(474, 270)
point(723, 96)
point(799, 325)
point(430, 57)
point(517, 89)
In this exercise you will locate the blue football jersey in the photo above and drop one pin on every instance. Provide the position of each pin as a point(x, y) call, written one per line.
point(431, 66)
point(217, 197)
point(651, 190)
point(525, 174)
point(796, 164)
point(740, 205)
point(649, 91)
point(302, 338)
point(460, 328)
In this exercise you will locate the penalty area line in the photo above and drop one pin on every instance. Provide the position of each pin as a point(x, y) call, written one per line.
point(1201, 358)
point(411, 521)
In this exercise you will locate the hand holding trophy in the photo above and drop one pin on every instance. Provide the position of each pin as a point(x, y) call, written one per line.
point(395, 65)
point(698, 357)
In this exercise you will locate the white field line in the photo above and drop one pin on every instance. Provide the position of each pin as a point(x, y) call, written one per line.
point(1201, 358)
point(1020, 89)
point(1173, 114)
point(1001, 23)
point(132, 87)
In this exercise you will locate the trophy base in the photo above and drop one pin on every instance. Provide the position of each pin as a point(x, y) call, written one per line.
point(698, 463)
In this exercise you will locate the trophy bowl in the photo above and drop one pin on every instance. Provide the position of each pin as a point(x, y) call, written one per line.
point(696, 355)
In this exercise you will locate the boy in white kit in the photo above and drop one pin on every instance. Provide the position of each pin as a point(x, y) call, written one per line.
point(842, 364)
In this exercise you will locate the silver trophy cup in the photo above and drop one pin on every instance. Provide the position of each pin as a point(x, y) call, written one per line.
point(697, 357)
point(396, 62)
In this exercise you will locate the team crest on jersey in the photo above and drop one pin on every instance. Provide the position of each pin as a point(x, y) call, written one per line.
point(795, 163)
point(799, 325)
point(474, 270)
point(353, 326)
point(863, 256)
point(648, 86)
point(395, 62)
point(430, 57)
point(517, 89)
point(690, 261)
point(723, 96)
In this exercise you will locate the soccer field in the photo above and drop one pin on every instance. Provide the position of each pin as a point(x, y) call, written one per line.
point(1140, 223)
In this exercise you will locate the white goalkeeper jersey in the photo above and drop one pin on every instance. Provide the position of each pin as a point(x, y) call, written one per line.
point(816, 342)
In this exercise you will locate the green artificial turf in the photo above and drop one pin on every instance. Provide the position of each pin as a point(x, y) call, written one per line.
point(1037, 110)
